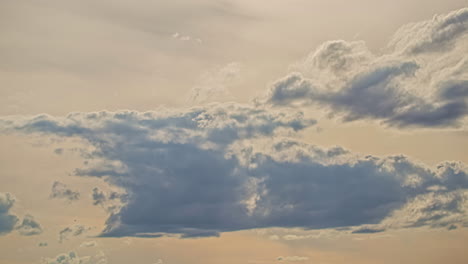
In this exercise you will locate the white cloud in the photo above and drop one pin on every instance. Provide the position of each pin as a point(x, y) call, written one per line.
point(421, 80)
point(89, 244)
point(187, 38)
point(214, 85)
point(159, 261)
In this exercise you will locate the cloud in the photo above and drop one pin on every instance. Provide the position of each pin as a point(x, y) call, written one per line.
point(98, 196)
point(228, 167)
point(436, 35)
point(42, 244)
point(214, 85)
point(7, 220)
point(181, 37)
point(89, 244)
point(292, 258)
point(109, 200)
point(72, 231)
point(73, 258)
point(10, 222)
point(60, 191)
point(159, 261)
point(421, 80)
point(29, 226)
point(366, 230)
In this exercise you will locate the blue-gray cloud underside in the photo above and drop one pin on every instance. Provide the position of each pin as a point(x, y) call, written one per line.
point(419, 80)
point(208, 170)
point(9, 222)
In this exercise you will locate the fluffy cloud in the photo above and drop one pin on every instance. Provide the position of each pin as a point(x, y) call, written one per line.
point(60, 191)
point(110, 199)
point(10, 222)
point(89, 244)
point(73, 258)
point(226, 167)
point(29, 226)
point(72, 231)
point(7, 220)
point(421, 80)
point(98, 196)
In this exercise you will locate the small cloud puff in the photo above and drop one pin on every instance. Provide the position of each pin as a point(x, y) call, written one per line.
point(29, 226)
point(73, 258)
point(72, 231)
point(89, 244)
point(292, 258)
point(181, 37)
point(60, 191)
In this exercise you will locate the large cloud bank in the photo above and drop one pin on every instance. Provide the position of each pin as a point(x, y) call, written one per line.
point(227, 167)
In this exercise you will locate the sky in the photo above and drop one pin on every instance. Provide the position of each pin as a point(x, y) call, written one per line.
point(206, 132)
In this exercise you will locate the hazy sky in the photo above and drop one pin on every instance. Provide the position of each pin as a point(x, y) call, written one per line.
point(266, 131)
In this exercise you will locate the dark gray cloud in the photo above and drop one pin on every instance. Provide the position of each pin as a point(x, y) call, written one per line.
point(29, 226)
point(407, 86)
point(203, 171)
point(7, 220)
point(60, 191)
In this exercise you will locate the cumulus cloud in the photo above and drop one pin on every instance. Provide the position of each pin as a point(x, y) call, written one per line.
point(227, 167)
point(436, 35)
point(73, 258)
point(421, 80)
point(109, 200)
point(10, 222)
point(42, 244)
point(72, 231)
point(7, 220)
point(98, 196)
point(60, 191)
point(29, 226)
